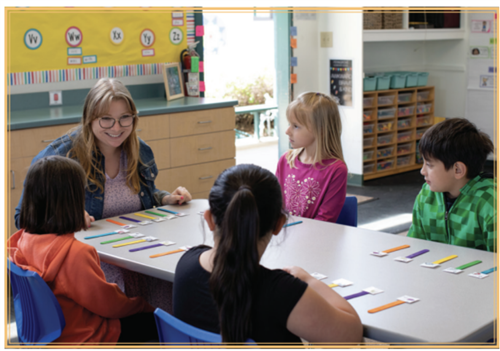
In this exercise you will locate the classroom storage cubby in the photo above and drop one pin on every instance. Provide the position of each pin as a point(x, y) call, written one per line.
point(396, 119)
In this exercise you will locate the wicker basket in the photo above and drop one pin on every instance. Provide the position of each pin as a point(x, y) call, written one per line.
point(372, 20)
point(392, 20)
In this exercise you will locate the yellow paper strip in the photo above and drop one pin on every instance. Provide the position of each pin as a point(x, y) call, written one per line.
point(445, 259)
point(332, 285)
point(130, 243)
point(143, 215)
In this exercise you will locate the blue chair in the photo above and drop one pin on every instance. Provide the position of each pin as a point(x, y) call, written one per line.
point(39, 317)
point(174, 331)
point(349, 213)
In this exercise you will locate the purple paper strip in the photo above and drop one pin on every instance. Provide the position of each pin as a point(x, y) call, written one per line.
point(145, 247)
point(130, 219)
point(348, 297)
point(418, 253)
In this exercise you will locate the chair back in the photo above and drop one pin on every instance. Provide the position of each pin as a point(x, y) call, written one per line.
point(39, 317)
point(349, 213)
point(174, 331)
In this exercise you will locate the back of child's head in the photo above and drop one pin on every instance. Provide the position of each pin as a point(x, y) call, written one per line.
point(456, 140)
point(319, 113)
point(54, 197)
point(246, 205)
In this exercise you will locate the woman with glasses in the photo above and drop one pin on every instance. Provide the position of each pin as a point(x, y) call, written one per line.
point(120, 167)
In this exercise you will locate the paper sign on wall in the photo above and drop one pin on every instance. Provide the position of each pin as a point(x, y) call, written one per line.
point(479, 52)
point(293, 43)
point(341, 81)
point(147, 37)
point(74, 36)
point(200, 31)
point(480, 26)
point(116, 35)
point(32, 39)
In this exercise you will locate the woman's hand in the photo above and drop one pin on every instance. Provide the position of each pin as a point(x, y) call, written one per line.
point(178, 197)
point(88, 219)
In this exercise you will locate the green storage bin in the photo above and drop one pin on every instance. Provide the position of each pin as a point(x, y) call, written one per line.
point(411, 79)
point(422, 79)
point(398, 80)
point(383, 82)
point(369, 83)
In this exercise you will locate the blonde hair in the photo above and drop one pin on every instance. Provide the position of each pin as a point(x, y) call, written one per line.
point(85, 149)
point(320, 115)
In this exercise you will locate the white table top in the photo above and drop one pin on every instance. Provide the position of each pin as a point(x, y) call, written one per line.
point(452, 308)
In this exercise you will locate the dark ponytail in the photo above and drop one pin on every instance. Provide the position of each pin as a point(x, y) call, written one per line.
point(246, 204)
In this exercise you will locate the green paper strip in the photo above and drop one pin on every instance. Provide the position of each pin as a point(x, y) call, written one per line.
point(467, 265)
point(156, 214)
point(115, 240)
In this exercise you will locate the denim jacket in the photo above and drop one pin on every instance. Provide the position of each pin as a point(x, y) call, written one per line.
point(94, 198)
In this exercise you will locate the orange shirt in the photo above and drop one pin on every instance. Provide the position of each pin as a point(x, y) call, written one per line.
point(91, 306)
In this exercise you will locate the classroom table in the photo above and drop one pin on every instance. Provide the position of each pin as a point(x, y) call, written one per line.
point(452, 307)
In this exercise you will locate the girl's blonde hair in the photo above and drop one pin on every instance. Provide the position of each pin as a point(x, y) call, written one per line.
point(320, 115)
point(85, 149)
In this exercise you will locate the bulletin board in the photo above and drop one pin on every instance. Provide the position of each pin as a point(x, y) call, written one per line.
point(42, 40)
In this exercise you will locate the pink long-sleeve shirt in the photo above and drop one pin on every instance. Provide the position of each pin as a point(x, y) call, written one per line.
point(313, 192)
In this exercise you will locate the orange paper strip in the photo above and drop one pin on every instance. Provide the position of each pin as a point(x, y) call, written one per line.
point(293, 43)
point(166, 253)
point(389, 305)
point(115, 222)
point(397, 248)
point(293, 78)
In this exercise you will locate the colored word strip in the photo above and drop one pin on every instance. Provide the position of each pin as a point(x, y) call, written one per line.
point(467, 265)
point(400, 301)
point(368, 291)
point(384, 307)
point(418, 253)
point(122, 231)
point(438, 262)
point(131, 243)
point(165, 243)
point(169, 211)
point(179, 214)
point(333, 285)
point(130, 219)
point(385, 252)
point(131, 236)
point(410, 258)
point(488, 271)
point(293, 223)
point(462, 267)
point(115, 222)
point(143, 215)
point(445, 259)
point(396, 248)
point(183, 248)
point(156, 214)
point(362, 293)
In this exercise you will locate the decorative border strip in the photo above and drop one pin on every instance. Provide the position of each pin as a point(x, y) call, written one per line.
point(190, 27)
point(73, 74)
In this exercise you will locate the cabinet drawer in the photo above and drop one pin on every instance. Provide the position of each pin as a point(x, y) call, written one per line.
point(201, 122)
point(161, 151)
point(196, 179)
point(202, 148)
point(29, 142)
point(153, 127)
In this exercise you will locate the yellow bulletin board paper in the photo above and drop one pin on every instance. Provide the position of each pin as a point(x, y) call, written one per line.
point(95, 26)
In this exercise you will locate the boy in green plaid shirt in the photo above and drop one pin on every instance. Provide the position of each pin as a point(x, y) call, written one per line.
point(456, 203)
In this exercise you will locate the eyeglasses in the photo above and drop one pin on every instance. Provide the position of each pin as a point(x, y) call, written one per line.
point(124, 121)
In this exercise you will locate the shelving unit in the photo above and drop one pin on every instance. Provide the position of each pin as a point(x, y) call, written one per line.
point(393, 122)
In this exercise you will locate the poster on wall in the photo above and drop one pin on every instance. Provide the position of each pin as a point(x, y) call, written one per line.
point(341, 81)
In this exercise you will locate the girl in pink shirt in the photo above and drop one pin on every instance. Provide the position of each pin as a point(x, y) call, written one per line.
point(313, 175)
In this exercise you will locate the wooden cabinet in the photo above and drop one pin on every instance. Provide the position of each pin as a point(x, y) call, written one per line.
point(191, 149)
point(393, 122)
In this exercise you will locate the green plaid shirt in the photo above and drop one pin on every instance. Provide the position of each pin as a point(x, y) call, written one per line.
point(471, 221)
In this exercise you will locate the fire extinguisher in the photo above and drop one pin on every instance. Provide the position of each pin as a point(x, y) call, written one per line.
point(186, 55)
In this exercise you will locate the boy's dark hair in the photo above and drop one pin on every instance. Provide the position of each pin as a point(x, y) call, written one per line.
point(457, 140)
point(54, 197)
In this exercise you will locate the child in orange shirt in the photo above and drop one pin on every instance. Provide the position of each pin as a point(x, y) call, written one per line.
point(52, 210)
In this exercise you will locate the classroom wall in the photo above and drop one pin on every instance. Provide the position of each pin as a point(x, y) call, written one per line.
point(313, 71)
